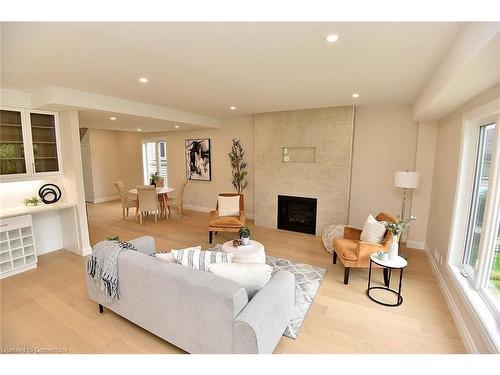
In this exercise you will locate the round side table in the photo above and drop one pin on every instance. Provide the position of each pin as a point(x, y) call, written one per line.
point(253, 253)
point(398, 263)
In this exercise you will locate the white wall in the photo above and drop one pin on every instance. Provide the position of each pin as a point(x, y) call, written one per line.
point(385, 141)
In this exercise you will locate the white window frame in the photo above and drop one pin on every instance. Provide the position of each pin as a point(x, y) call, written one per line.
point(474, 285)
point(144, 162)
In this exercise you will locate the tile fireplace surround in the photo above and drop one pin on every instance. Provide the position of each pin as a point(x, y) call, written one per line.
point(330, 131)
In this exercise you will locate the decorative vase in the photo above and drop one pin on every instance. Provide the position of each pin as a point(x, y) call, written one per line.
point(393, 248)
point(245, 240)
point(153, 183)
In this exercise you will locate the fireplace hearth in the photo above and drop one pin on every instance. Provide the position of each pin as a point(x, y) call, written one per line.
point(297, 214)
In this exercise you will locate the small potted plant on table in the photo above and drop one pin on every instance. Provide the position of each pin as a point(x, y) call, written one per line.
point(154, 178)
point(245, 235)
point(400, 226)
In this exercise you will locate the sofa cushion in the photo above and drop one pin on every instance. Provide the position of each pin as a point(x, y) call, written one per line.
point(251, 276)
point(346, 248)
point(166, 257)
point(228, 206)
point(226, 221)
point(373, 230)
point(199, 260)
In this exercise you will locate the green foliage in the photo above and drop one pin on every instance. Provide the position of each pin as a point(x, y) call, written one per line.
point(7, 150)
point(245, 232)
point(400, 226)
point(33, 201)
point(154, 176)
point(239, 165)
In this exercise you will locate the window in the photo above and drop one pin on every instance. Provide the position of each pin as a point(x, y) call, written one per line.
point(480, 193)
point(154, 154)
point(481, 256)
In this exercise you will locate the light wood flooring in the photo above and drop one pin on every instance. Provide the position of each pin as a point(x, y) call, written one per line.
point(48, 307)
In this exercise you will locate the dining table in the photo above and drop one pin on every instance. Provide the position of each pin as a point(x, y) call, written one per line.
point(162, 193)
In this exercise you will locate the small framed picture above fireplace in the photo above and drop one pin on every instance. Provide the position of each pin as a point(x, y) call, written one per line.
point(198, 159)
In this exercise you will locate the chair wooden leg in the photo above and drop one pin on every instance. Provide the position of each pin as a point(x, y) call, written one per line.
point(209, 237)
point(140, 217)
point(346, 275)
point(127, 211)
point(334, 257)
point(156, 217)
point(101, 309)
point(123, 213)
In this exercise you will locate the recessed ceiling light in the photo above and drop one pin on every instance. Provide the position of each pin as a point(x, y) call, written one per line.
point(232, 108)
point(332, 38)
point(143, 80)
point(355, 95)
point(112, 118)
point(139, 129)
point(177, 126)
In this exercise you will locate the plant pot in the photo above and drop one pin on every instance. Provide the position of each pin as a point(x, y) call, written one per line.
point(153, 183)
point(245, 240)
point(393, 248)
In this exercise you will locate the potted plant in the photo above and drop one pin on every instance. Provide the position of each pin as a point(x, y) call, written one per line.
point(33, 201)
point(239, 166)
point(400, 226)
point(245, 235)
point(154, 178)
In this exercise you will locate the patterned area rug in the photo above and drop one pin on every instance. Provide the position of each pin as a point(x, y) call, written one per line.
point(307, 281)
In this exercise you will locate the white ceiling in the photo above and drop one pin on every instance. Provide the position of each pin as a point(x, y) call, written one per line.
point(124, 122)
point(206, 67)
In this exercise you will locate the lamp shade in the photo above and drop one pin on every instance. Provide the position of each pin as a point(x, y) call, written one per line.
point(407, 180)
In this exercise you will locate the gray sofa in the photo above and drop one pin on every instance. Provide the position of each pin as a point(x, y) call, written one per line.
point(198, 311)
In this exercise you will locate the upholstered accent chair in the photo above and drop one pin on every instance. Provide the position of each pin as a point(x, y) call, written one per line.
point(353, 252)
point(226, 223)
point(128, 199)
point(148, 201)
point(177, 201)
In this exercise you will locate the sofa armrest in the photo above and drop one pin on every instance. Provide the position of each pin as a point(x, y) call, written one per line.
point(242, 217)
point(364, 250)
point(259, 326)
point(351, 233)
point(144, 244)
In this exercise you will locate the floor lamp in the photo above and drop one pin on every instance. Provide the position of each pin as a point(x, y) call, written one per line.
point(405, 180)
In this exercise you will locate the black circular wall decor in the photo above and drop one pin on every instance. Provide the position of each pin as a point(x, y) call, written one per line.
point(49, 193)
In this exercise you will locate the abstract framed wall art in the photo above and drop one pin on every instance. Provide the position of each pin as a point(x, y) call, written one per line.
point(198, 159)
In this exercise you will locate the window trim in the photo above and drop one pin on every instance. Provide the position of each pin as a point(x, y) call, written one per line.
point(157, 152)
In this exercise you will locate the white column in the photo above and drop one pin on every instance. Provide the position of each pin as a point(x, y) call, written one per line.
point(73, 222)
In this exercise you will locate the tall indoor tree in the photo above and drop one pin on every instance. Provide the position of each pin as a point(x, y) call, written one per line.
point(239, 165)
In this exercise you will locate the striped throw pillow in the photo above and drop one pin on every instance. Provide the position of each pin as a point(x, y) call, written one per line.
point(200, 260)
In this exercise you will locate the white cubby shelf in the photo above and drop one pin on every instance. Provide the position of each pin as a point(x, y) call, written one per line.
point(17, 246)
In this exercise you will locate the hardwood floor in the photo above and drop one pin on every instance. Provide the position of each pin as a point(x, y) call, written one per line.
point(48, 307)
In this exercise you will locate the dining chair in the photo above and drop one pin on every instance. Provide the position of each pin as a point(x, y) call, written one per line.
point(177, 201)
point(128, 199)
point(148, 201)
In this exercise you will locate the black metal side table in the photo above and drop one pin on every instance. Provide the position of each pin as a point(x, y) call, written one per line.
point(399, 263)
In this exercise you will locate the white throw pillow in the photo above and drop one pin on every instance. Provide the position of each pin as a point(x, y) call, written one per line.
point(251, 276)
point(229, 206)
point(165, 257)
point(199, 260)
point(373, 231)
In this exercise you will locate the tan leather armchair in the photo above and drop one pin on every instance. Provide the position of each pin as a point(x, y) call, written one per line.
point(226, 223)
point(353, 252)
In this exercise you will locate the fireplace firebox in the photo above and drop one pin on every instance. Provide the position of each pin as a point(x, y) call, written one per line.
point(297, 214)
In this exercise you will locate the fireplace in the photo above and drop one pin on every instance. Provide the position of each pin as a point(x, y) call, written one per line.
point(297, 214)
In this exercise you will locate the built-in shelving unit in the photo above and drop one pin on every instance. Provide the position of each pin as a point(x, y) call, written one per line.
point(17, 246)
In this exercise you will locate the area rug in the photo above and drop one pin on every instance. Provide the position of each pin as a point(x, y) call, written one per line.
point(307, 281)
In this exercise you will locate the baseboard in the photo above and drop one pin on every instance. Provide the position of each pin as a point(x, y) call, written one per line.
point(454, 310)
point(106, 199)
point(208, 209)
point(419, 245)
